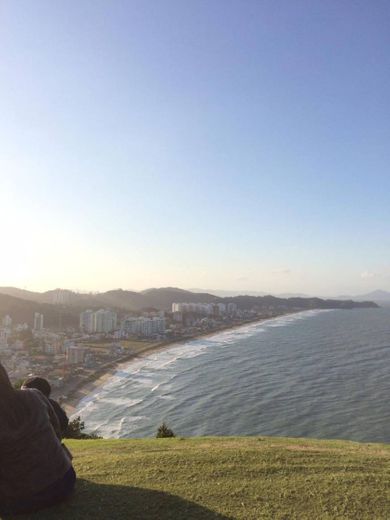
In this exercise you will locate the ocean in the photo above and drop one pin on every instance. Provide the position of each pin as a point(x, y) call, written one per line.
point(323, 374)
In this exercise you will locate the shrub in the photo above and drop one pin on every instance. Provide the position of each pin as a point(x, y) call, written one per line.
point(75, 430)
point(163, 432)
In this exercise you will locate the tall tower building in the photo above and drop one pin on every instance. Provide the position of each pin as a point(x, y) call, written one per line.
point(38, 321)
point(87, 321)
point(7, 322)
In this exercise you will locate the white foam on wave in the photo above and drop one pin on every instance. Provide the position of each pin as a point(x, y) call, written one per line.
point(143, 371)
point(115, 429)
point(150, 373)
point(147, 373)
point(89, 405)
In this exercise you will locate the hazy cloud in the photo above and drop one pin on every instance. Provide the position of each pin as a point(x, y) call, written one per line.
point(242, 279)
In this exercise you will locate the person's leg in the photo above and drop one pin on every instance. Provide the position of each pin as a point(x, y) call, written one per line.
point(54, 494)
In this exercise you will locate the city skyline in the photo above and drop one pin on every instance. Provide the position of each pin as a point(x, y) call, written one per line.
point(238, 146)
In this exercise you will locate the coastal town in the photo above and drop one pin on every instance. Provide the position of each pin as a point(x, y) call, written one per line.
point(74, 339)
point(72, 357)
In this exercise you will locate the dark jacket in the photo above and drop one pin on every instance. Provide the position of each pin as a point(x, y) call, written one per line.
point(61, 416)
point(31, 455)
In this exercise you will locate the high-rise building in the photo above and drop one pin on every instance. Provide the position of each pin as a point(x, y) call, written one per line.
point(101, 321)
point(144, 326)
point(7, 322)
point(4, 333)
point(61, 296)
point(86, 321)
point(204, 309)
point(38, 321)
point(231, 308)
point(104, 321)
point(221, 308)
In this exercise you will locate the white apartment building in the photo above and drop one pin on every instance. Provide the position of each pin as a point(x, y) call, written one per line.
point(86, 321)
point(231, 308)
point(104, 321)
point(61, 296)
point(221, 308)
point(143, 326)
point(4, 334)
point(38, 321)
point(205, 309)
point(21, 326)
point(7, 322)
point(101, 321)
point(177, 307)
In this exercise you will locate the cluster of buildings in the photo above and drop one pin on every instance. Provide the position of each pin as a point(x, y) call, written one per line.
point(59, 356)
point(7, 328)
point(101, 321)
point(143, 326)
point(67, 357)
point(105, 322)
point(205, 309)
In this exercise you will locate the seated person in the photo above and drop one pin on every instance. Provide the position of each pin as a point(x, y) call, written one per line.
point(43, 385)
point(35, 471)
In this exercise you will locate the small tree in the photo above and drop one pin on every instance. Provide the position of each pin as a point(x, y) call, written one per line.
point(75, 430)
point(163, 432)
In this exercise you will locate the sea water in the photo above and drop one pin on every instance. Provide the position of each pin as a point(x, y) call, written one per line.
point(323, 374)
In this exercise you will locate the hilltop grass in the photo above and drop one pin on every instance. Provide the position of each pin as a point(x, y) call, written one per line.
point(248, 478)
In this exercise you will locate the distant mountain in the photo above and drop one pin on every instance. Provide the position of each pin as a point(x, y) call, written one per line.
point(55, 296)
point(161, 299)
point(23, 294)
point(164, 297)
point(128, 300)
point(172, 290)
point(293, 295)
point(376, 296)
point(62, 308)
point(225, 293)
point(22, 311)
point(267, 302)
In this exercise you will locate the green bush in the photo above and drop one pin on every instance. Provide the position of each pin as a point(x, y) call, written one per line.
point(75, 430)
point(163, 432)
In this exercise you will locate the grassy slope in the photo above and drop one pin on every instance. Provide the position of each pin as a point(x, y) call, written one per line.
point(220, 478)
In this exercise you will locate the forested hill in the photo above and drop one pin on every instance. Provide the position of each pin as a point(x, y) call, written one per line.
point(247, 302)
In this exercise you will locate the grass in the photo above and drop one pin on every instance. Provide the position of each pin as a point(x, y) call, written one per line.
point(248, 478)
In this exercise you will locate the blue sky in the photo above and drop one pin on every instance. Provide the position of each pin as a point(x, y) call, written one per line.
point(215, 144)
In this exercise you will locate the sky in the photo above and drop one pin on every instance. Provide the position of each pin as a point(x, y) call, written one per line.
point(225, 144)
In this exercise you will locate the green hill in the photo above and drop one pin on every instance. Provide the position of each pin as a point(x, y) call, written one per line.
point(249, 478)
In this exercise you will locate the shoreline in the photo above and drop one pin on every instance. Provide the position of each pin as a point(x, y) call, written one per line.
point(106, 372)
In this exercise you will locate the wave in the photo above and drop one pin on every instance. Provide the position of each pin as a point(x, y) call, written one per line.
point(147, 381)
point(141, 371)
